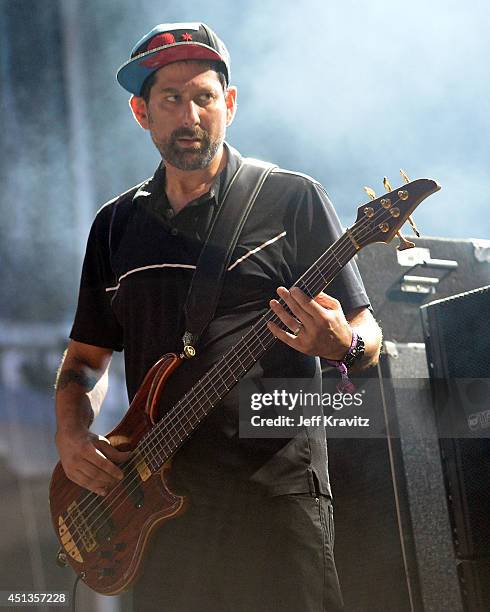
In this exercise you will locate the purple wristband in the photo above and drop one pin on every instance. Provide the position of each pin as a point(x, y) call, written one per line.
point(345, 385)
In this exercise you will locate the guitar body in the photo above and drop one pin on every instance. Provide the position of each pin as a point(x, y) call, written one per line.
point(104, 538)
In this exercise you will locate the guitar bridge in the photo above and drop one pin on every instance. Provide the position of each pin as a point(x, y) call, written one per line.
point(67, 541)
point(78, 534)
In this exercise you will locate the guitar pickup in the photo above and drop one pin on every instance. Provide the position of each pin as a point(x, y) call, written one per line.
point(143, 469)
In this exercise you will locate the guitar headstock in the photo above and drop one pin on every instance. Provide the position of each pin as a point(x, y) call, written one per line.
point(380, 219)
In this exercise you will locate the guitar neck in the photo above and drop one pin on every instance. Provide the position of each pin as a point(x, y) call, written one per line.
point(185, 416)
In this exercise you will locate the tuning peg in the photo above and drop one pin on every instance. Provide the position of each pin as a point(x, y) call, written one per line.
point(370, 192)
point(414, 227)
point(387, 184)
point(404, 243)
point(404, 176)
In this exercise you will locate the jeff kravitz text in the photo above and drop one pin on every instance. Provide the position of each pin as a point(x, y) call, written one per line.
point(302, 421)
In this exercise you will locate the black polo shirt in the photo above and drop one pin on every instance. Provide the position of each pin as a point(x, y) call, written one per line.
point(139, 262)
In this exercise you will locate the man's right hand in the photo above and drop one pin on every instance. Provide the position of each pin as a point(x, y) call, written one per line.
point(89, 460)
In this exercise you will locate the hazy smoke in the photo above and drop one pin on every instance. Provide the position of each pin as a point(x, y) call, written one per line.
point(345, 91)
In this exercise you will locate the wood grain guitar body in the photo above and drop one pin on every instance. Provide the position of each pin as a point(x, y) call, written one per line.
point(104, 538)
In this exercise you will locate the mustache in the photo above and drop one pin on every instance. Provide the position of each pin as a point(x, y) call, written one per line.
point(197, 132)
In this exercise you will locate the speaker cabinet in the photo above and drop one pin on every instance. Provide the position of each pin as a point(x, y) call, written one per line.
point(394, 546)
point(458, 350)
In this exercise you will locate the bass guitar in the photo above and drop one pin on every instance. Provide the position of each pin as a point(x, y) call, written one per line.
point(104, 538)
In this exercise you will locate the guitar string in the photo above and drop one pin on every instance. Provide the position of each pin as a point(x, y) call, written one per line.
point(170, 420)
point(315, 277)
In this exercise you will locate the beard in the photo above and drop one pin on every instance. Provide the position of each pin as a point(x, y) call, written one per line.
point(197, 157)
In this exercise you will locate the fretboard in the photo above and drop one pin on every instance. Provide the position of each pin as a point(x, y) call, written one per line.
point(166, 437)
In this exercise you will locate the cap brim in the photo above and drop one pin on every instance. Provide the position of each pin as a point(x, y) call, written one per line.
point(134, 72)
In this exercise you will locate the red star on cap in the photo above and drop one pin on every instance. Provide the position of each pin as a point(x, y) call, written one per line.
point(187, 36)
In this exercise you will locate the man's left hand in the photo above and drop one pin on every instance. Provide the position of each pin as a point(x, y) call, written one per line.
point(316, 326)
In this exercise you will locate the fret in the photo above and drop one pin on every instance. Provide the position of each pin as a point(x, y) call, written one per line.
point(335, 257)
point(197, 401)
point(248, 360)
point(189, 397)
point(211, 380)
point(175, 435)
point(153, 461)
point(187, 417)
point(156, 460)
point(244, 369)
point(264, 348)
point(230, 369)
point(327, 267)
point(196, 419)
point(304, 286)
point(203, 386)
point(215, 369)
point(249, 349)
point(219, 391)
point(215, 391)
point(320, 272)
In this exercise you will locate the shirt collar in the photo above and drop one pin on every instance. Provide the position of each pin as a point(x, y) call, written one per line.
point(154, 187)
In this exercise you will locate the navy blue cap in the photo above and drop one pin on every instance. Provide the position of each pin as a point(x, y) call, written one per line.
point(167, 43)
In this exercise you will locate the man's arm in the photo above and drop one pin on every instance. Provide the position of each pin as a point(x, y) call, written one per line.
point(325, 330)
point(80, 389)
point(367, 327)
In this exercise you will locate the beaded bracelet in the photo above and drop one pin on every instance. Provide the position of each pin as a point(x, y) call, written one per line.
point(355, 352)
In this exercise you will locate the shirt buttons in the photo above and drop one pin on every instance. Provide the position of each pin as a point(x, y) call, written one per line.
point(174, 231)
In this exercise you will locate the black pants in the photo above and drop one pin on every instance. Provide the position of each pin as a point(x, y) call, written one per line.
point(240, 551)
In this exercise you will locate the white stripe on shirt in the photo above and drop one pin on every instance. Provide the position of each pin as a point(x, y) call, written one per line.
point(191, 267)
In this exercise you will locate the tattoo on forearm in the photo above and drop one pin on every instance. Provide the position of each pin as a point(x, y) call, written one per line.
point(80, 378)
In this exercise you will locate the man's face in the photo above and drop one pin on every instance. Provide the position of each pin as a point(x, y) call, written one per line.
point(187, 114)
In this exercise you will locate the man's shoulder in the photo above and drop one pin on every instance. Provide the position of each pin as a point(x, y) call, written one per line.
point(294, 186)
point(298, 185)
point(121, 200)
point(295, 177)
point(295, 181)
point(291, 177)
point(118, 208)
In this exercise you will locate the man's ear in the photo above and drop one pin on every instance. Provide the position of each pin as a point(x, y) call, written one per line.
point(230, 98)
point(139, 110)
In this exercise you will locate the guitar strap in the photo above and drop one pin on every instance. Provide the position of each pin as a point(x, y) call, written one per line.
point(207, 281)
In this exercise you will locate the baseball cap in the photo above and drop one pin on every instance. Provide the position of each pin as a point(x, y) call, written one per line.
point(167, 43)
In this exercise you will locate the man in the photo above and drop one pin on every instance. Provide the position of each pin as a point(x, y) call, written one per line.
point(258, 533)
